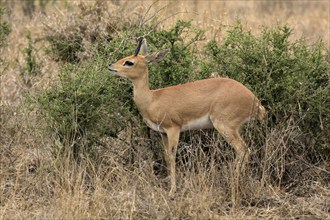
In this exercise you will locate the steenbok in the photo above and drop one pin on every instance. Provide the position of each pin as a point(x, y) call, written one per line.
point(222, 103)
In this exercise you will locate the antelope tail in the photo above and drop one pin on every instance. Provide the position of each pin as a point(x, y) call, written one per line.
point(261, 112)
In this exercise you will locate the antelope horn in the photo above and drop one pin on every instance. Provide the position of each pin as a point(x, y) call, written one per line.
point(137, 50)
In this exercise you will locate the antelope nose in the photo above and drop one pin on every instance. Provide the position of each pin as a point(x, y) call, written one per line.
point(112, 70)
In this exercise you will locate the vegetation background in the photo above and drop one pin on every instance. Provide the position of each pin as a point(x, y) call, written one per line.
point(73, 145)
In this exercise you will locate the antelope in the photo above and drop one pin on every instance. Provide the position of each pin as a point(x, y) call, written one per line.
point(220, 103)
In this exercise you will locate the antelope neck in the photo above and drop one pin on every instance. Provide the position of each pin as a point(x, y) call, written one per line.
point(142, 93)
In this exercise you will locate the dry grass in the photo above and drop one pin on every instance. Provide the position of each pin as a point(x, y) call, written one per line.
point(36, 183)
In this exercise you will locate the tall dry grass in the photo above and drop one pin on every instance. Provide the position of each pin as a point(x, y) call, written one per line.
point(36, 183)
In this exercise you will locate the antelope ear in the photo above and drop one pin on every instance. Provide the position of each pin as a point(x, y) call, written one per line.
point(144, 47)
point(157, 56)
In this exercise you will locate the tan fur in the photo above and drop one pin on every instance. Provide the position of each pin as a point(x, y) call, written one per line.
point(222, 103)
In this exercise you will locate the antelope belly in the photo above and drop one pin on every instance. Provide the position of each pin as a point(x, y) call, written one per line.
point(200, 123)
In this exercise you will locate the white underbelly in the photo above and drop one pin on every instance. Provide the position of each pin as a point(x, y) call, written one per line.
point(199, 123)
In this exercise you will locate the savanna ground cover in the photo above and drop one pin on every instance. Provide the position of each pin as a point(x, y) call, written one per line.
point(73, 145)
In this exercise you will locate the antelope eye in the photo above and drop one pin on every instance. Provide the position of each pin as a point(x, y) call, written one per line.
point(128, 63)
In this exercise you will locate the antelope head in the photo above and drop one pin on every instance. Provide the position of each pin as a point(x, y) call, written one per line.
point(136, 66)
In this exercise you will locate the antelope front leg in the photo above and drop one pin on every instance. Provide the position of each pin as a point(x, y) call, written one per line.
point(170, 147)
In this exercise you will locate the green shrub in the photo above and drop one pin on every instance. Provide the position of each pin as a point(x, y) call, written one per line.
point(4, 28)
point(67, 49)
point(83, 107)
point(291, 78)
point(31, 67)
point(179, 66)
point(89, 103)
point(74, 37)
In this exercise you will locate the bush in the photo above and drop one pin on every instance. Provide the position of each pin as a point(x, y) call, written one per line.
point(4, 29)
point(31, 67)
point(179, 66)
point(291, 78)
point(89, 103)
point(4, 32)
point(74, 38)
point(83, 107)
